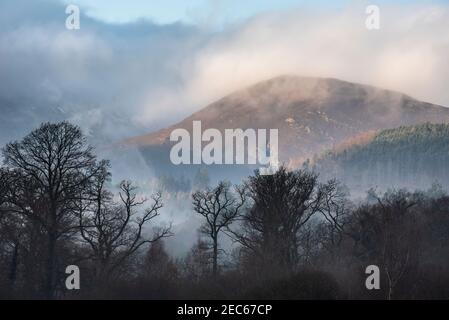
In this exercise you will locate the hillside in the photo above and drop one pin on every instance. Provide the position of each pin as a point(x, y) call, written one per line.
point(311, 114)
point(412, 157)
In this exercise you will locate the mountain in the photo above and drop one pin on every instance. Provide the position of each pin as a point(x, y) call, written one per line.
point(413, 157)
point(311, 114)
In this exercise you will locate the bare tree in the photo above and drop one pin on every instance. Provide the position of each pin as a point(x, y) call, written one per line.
point(114, 231)
point(386, 234)
point(21, 238)
point(282, 204)
point(219, 207)
point(335, 209)
point(50, 166)
point(12, 233)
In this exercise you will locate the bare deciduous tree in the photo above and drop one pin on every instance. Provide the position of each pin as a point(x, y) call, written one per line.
point(114, 231)
point(281, 204)
point(335, 208)
point(385, 233)
point(50, 166)
point(219, 207)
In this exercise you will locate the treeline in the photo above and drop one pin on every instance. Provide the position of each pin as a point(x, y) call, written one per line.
point(294, 236)
point(407, 157)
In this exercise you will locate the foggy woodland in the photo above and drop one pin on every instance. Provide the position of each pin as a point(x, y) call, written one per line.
point(294, 236)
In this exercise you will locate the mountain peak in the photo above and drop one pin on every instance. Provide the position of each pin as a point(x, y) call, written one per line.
point(311, 114)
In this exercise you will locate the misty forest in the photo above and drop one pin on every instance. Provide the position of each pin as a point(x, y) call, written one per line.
point(290, 235)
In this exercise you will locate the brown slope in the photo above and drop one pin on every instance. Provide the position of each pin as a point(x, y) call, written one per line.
point(312, 114)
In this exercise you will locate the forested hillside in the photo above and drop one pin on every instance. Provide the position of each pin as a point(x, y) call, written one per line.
point(412, 157)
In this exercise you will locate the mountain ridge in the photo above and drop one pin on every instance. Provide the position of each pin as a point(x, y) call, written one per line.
point(311, 114)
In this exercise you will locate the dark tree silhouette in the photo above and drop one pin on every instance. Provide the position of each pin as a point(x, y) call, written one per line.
point(386, 234)
point(335, 209)
point(114, 231)
point(50, 167)
point(219, 207)
point(282, 203)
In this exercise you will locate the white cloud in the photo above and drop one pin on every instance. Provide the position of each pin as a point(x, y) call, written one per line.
point(144, 76)
point(409, 53)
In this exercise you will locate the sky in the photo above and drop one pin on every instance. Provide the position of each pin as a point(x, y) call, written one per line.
point(200, 11)
point(193, 11)
point(136, 66)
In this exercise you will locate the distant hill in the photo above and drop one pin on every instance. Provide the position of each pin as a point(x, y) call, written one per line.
point(413, 157)
point(311, 114)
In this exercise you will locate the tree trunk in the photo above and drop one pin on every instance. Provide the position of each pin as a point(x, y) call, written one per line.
point(215, 258)
point(50, 267)
point(13, 267)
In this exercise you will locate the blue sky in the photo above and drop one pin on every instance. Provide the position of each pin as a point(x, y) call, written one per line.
point(170, 11)
point(194, 11)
